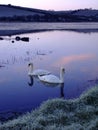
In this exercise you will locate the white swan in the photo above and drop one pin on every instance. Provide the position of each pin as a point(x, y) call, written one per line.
point(36, 72)
point(52, 78)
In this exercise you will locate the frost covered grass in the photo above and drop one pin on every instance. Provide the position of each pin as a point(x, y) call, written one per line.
point(60, 114)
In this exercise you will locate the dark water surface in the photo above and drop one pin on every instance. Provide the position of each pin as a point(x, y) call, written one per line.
point(76, 52)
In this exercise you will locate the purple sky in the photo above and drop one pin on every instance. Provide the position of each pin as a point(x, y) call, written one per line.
point(54, 4)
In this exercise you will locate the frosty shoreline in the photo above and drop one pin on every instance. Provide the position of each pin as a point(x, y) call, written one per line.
point(60, 114)
point(17, 32)
point(19, 28)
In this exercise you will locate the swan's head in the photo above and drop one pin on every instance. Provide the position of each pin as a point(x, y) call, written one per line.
point(63, 69)
point(62, 72)
point(30, 64)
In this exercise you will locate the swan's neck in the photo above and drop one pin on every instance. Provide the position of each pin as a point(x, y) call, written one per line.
point(30, 68)
point(62, 76)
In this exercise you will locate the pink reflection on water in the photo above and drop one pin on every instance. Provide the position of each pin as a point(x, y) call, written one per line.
point(69, 59)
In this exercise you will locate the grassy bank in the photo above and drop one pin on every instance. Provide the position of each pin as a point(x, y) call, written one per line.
point(60, 114)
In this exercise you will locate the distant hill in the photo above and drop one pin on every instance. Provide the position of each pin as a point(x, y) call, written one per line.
point(23, 14)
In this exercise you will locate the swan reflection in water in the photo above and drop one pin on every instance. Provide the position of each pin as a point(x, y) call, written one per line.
point(62, 90)
point(31, 81)
point(61, 85)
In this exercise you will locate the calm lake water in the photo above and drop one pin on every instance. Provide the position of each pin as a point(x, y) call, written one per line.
point(77, 52)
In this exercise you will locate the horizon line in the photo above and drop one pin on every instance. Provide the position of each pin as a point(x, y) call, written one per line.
point(48, 9)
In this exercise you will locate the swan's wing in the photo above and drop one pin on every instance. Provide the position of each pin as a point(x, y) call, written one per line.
point(40, 72)
point(49, 78)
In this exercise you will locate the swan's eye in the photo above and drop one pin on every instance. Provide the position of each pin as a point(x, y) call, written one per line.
point(63, 69)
